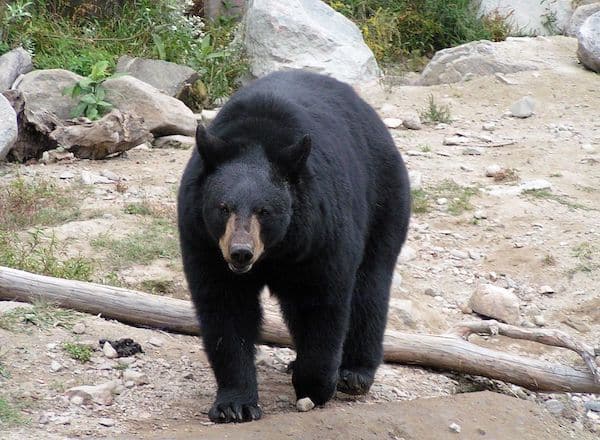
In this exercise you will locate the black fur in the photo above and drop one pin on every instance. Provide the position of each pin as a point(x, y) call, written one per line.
point(332, 195)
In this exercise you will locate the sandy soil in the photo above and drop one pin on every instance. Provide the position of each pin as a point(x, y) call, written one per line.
point(516, 241)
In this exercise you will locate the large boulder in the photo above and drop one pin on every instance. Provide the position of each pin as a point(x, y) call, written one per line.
point(163, 114)
point(531, 17)
point(12, 64)
point(588, 39)
point(305, 34)
point(580, 16)
point(43, 91)
point(173, 79)
point(8, 127)
point(463, 62)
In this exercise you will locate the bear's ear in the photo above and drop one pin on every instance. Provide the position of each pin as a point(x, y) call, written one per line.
point(212, 149)
point(293, 157)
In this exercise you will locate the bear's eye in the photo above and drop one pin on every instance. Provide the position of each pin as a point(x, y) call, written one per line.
point(262, 212)
point(224, 208)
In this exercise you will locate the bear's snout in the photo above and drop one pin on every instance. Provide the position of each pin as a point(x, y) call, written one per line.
point(241, 244)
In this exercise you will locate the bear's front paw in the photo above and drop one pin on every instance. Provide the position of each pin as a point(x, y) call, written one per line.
point(234, 411)
point(320, 388)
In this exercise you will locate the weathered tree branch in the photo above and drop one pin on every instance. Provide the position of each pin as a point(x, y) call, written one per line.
point(447, 352)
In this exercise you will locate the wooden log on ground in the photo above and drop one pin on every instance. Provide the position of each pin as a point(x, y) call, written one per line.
point(447, 352)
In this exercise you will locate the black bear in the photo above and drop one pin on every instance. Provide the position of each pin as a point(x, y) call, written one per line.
point(296, 185)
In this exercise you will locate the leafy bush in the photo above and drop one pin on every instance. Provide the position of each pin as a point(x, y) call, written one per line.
point(76, 35)
point(91, 93)
point(396, 28)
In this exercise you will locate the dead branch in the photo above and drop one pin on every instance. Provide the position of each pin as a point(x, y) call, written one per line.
point(446, 352)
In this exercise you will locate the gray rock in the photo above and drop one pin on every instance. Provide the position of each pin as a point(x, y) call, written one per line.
point(163, 115)
point(416, 179)
point(43, 92)
point(8, 127)
point(175, 141)
point(492, 170)
point(539, 320)
point(306, 34)
point(588, 39)
point(12, 64)
point(105, 421)
point(392, 122)
point(101, 394)
point(55, 366)
point(523, 108)
point(404, 311)
point(546, 290)
point(593, 405)
point(136, 377)
point(455, 427)
point(79, 328)
point(489, 126)
point(169, 78)
point(555, 407)
point(579, 16)
point(412, 123)
point(476, 58)
point(495, 302)
point(109, 351)
point(305, 404)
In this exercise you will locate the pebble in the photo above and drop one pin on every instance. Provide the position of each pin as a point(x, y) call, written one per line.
point(90, 178)
point(62, 420)
point(79, 328)
point(473, 255)
point(593, 405)
point(455, 427)
point(305, 404)
point(66, 175)
point(110, 175)
point(416, 180)
point(412, 123)
point(472, 151)
point(461, 255)
point(539, 320)
point(555, 407)
point(101, 394)
point(407, 254)
point(479, 215)
point(523, 108)
point(137, 377)
point(492, 170)
point(170, 180)
point(55, 366)
point(546, 290)
point(430, 292)
point(392, 122)
point(489, 126)
point(105, 421)
point(156, 342)
point(588, 148)
point(109, 351)
point(441, 201)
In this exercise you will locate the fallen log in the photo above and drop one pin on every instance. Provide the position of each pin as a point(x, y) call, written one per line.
point(450, 351)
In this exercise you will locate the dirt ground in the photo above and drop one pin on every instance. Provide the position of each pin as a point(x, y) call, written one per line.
point(487, 234)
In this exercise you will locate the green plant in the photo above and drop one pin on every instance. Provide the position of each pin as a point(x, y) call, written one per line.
point(436, 112)
point(79, 352)
point(9, 415)
point(91, 93)
point(420, 201)
point(41, 254)
point(547, 194)
point(42, 315)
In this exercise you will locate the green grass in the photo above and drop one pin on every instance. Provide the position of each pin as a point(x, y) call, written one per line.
point(42, 254)
point(546, 194)
point(25, 203)
point(435, 112)
point(157, 240)
point(158, 286)
point(42, 315)
point(400, 28)
point(77, 38)
point(586, 254)
point(459, 197)
point(79, 352)
point(9, 414)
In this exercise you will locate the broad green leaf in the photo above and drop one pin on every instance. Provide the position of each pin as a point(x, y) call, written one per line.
point(92, 113)
point(88, 99)
point(79, 110)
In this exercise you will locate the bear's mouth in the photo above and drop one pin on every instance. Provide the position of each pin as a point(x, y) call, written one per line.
point(240, 269)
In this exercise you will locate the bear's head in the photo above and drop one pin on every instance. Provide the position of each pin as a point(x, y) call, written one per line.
point(247, 198)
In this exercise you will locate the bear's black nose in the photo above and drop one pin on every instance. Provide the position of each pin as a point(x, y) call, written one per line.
point(241, 255)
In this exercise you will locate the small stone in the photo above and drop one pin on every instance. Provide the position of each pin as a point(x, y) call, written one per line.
point(105, 421)
point(441, 201)
point(188, 376)
point(555, 407)
point(305, 404)
point(416, 180)
point(170, 180)
point(472, 151)
point(136, 377)
point(473, 255)
point(79, 328)
point(465, 309)
point(55, 366)
point(492, 170)
point(479, 215)
point(62, 420)
point(407, 254)
point(66, 175)
point(546, 290)
point(101, 394)
point(208, 116)
point(593, 405)
point(110, 175)
point(44, 418)
point(392, 122)
point(495, 302)
point(588, 148)
point(412, 123)
point(430, 292)
point(156, 342)
point(109, 351)
point(523, 108)
point(539, 320)
point(455, 427)
point(489, 126)
point(461, 255)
